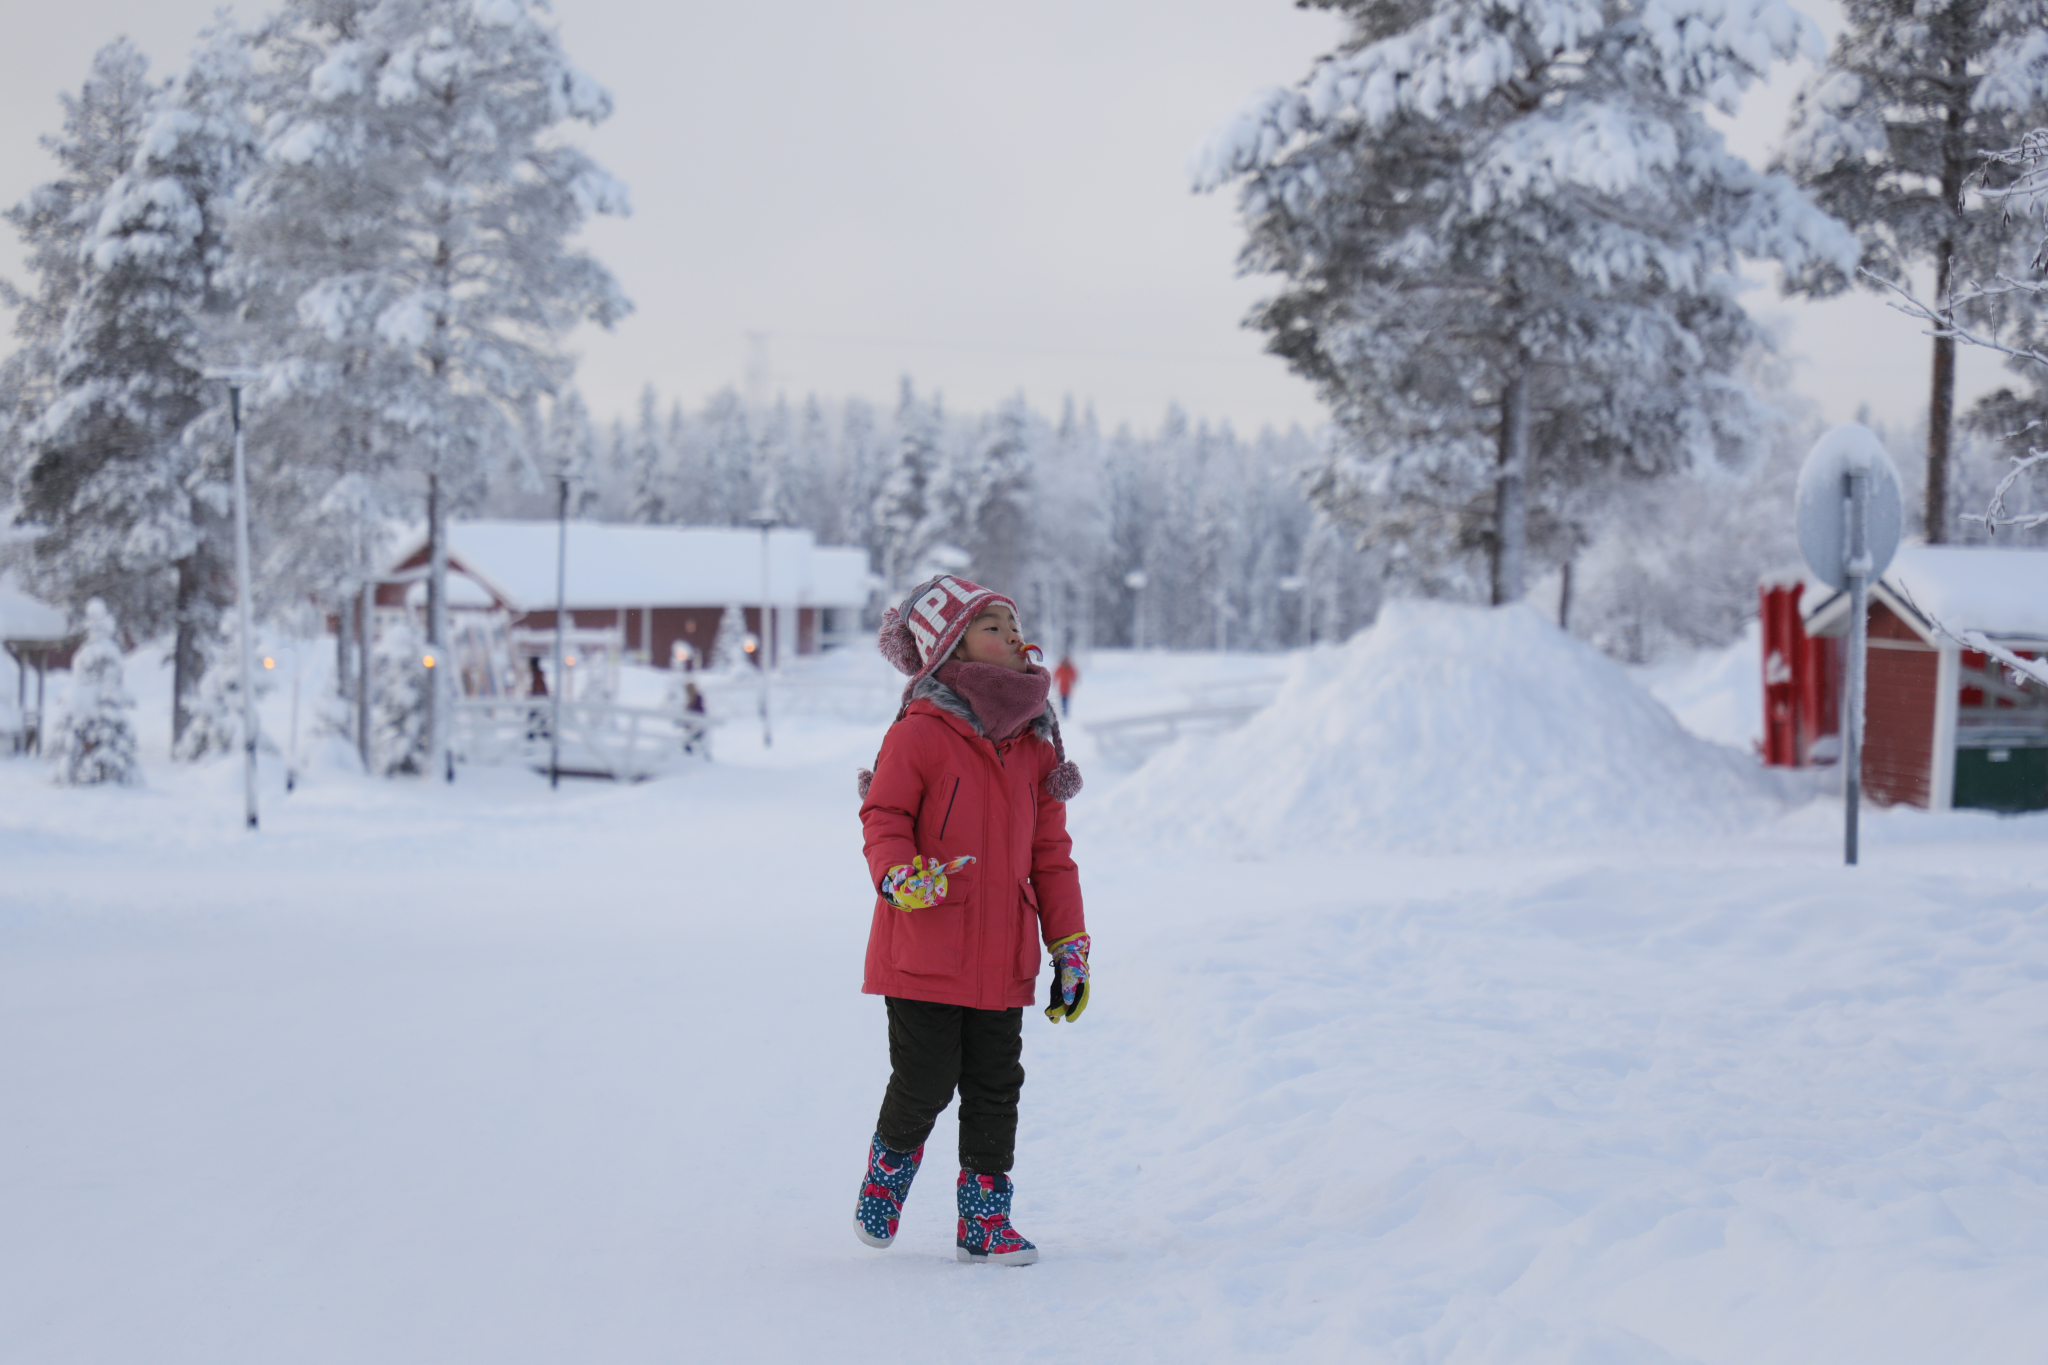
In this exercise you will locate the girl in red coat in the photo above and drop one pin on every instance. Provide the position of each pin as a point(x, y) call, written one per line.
point(966, 836)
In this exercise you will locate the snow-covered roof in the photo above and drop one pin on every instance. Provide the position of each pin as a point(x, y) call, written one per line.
point(2001, 592)
point(24, 618)
point(628, 566)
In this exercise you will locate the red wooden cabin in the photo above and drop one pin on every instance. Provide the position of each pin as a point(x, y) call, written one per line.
point(1944, 726)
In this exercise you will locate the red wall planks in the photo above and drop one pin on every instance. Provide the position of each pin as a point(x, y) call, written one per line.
point(1898, 734)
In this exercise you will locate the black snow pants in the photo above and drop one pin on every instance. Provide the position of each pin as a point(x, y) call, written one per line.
point(934, 1048)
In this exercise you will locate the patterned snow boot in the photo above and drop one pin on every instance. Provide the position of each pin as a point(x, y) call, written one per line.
point(883, 1192)
point(986, 1236)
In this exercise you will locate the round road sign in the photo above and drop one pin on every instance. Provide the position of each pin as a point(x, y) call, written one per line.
point(1823, 501)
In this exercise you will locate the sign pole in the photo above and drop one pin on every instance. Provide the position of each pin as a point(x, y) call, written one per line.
point(1850, 516)
point(1856, 565)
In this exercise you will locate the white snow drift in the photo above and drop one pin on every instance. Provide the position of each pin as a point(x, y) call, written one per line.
point(1447, 728)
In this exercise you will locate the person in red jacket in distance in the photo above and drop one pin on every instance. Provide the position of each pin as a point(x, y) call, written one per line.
point(965, 826)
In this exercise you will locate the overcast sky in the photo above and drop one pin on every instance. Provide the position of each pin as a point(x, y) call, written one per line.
point(987, 198)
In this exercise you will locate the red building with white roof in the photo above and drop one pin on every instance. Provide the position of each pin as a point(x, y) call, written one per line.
point(1945, 726)
point(652, 593)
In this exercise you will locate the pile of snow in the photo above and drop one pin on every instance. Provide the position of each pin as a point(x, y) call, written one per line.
point(1717, 694)
point(1445, 729)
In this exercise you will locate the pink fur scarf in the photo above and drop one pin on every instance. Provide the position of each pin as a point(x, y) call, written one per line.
point(1004, 700)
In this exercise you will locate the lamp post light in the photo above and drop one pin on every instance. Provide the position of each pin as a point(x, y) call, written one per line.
point(765, 519)
point(1293, 584)
point(1136, 580)
point(236, 380)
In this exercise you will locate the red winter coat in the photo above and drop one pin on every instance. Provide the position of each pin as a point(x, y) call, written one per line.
point(942, 790)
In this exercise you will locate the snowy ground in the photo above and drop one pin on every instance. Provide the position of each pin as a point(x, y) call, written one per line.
point(492, 1074)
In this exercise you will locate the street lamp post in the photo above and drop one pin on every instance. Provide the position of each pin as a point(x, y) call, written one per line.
point(561, 599)
point(1293, 585)
point(764, 653)
point(1136, 580)
point(236, 380)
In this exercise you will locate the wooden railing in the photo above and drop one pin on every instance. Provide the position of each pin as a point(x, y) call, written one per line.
point(599, 739)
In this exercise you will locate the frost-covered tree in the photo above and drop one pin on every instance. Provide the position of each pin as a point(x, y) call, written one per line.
point(1509, 241)
point(409, 229)
point(648, 458)
point(572, 450)
point(728, 647)
point(96, 740)
point(400, 698)
point(997, 478)
point(215, 726)
point(774, 462)
point(133, 496)
point(1891, 136)
point(102, 127)
point(905, 525)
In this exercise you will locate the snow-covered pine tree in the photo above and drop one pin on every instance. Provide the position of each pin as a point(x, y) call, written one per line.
point(572, 450)
point(401, 694)
point(134, 496)
point(96, 740)
point(811, 476)
point(904, 524)
point(1509, 241)
point(102, 128)
point(649, 461)
point(215, 724)
point(996, 487)
point(863, 463)
point(1891, 135)
point(774, 457)
point(688, 443)
point(726, 466)
point(411, 220)
point(728, 647)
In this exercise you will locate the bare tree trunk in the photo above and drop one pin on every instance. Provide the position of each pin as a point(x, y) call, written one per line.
point(1941, 407)
point(1958, 156)
point(343, 603)
point(437, 625)
point(1511, 501)
point(188, 663)
point(364, 600)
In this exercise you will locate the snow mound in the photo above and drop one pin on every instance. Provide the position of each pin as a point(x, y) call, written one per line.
point(1448, 729)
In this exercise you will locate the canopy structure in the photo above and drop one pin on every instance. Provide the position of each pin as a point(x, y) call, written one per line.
point(36, 635)
point(24, 618)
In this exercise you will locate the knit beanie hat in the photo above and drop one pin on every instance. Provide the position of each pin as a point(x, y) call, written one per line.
point(920, 634)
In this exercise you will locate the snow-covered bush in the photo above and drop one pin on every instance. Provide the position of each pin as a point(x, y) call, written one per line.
point(214, 725)
point(96, 741)
point(401, 691)
point(728, 647)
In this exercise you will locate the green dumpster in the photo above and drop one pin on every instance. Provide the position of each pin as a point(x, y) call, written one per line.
point(2003, 775)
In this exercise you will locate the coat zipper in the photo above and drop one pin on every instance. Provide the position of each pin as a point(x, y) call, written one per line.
point(949, 808)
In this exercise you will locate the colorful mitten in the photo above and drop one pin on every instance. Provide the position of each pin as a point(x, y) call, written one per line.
point(883, 1192)
point(1070, 979)
point(985, 1232)
point(917, 884)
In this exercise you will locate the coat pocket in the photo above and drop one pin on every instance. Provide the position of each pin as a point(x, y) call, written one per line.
point(933, 942)
point(1027, 932)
